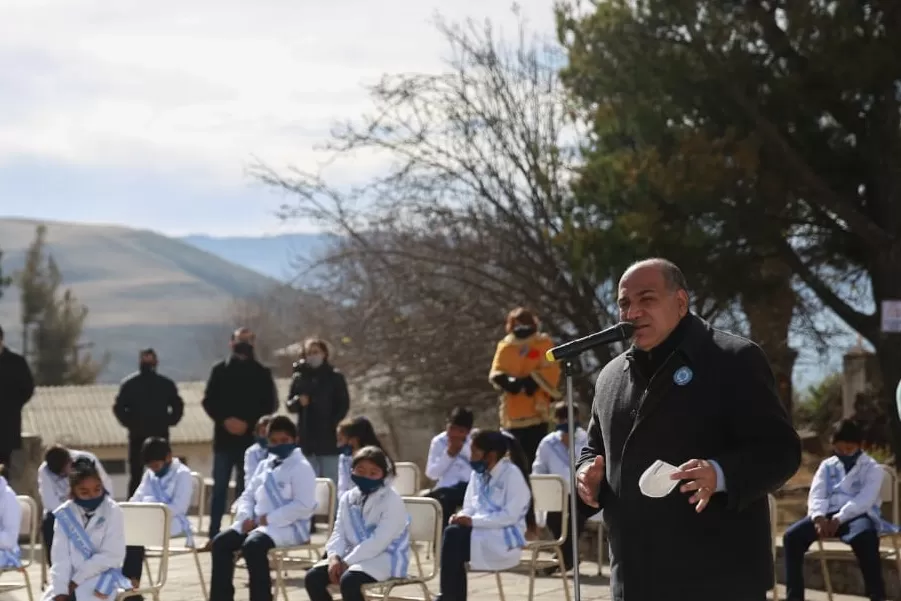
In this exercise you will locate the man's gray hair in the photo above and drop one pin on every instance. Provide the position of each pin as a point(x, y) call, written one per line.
point(672, 275)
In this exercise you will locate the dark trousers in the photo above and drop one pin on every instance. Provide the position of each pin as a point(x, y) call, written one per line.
point(224, 461)
point(860, 533)
point(554, 523)
point(255, 549)
point(450, 498)
point(47, 533)
point(316, 582)
point(528, 439)
point(454, 555)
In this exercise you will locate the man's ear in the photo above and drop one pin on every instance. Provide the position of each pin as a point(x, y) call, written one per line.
point(682, 296)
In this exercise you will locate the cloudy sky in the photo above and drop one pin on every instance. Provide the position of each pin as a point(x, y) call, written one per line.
point(148, 113)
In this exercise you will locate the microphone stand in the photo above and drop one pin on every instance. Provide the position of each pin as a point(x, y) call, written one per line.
point(573, 491)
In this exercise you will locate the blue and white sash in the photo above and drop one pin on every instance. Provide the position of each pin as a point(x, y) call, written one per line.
point(512, 536)
point(301, 528)
point(11, 558)
point(160, 494)
point(110, 580)
point(399, 549)
point(344, 469)
point(834, 477)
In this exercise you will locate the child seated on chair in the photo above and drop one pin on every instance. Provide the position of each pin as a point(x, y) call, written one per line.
point(489, 532)
point(843, 502)
point(448, 461)
point(273, 511)
point(552, 457)
point(353, 434)
point(168, 481)
point(10, 522)
point(89, 534)
point(54, 488)
point(255, 453)
point(370, 541)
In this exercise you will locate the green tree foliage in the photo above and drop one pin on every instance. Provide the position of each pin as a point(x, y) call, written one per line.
point(775, 123)
point(52, 321)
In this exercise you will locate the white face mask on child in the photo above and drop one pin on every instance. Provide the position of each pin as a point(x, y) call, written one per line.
point(315, 360)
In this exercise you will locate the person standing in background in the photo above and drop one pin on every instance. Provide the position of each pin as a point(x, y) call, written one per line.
point(16, 389)
point(526, 380)
point(239, 391)
point(147, 405)
point(320, 398)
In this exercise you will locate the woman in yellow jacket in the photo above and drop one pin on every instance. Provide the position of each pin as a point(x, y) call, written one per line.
point(527, 381)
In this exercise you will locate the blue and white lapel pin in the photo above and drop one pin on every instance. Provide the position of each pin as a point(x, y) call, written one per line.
point(683, 376)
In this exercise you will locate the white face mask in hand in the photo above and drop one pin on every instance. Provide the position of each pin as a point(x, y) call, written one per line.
point(655, 481)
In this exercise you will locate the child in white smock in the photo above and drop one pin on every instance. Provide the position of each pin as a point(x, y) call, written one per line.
point(371, 539)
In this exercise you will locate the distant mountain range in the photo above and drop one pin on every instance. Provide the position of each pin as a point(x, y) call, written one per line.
point(142, 289)
point(280, 257)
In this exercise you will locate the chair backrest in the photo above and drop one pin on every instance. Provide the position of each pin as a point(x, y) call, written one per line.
point(28, 526)
point(550, 493)
point(889, 491)
point(326, 501)
point(426, 526)
point(198, 493)
point(149, 525)
point(406, 479)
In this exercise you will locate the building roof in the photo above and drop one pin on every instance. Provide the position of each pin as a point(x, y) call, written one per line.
point(82, 416)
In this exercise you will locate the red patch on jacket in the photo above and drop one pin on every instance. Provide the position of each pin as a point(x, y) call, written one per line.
point(533, 354)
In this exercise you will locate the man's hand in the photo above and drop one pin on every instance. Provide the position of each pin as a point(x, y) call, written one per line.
point(454, 446)
point(247, 526)
point(235, 426)
point(264, 521)
point(72, 587)
point(304, 400)
point(589, 481)
point(336, 568)
point(701, 476)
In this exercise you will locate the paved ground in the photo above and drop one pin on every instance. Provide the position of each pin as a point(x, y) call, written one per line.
point(183, 585)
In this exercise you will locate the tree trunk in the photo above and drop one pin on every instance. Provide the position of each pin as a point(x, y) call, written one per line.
point(769, 306)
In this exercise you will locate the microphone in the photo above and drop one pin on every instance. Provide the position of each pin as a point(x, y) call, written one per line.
point(574, 348)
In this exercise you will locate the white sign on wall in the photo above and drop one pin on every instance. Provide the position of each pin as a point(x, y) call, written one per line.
point(891, 316)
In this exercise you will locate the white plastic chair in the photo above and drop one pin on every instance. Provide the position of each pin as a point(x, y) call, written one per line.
point(426, 528)
point(148, 525)
point(407, 479)
point(198, 493)
point(28, 526)
point(888, 494)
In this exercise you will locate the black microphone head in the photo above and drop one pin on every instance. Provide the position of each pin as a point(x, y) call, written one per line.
point(627, 329)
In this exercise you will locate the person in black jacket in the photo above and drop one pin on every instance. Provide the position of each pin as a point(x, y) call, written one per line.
point(705, 402)
point(148, 404)
point(239, 391)
point(321, 400)
point(16, 389)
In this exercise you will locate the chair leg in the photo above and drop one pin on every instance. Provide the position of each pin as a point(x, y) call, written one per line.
point(281, 579)
point(532, 561)
point(203, 587)
point(600, 548)
point(426, 593)
point(418, 562)
point(500, 586)
point(562, 564)
point(28, 584)
point(827, 580)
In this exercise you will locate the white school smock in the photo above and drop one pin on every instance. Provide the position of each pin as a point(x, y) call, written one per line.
point(552, 456)
point(848, 495)
point(372, 533)
point(54, 490)
point(10, 521)
point(173, 489)
point(285, 492)
point(497, 503)
point(446, 470)
point(252, 458)
point(106, 534)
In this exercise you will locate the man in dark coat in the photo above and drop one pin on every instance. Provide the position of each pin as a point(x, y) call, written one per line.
point(239, 391)
point(148, 404)
point(16, 389)
point(705, 402)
